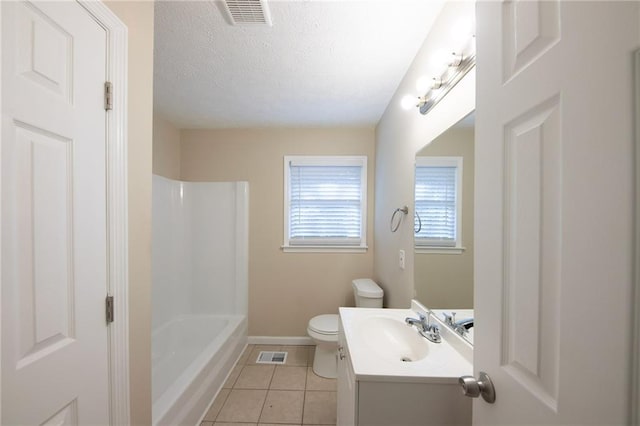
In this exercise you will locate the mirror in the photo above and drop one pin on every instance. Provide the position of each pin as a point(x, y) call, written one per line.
point(444, 197)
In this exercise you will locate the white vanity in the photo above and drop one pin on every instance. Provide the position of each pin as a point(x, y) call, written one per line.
point(390, 375)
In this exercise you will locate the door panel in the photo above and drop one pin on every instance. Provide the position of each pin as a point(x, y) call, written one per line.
point(44, 51)
point(530, 29)
point(532, 203)
point(54, 335)
point(554, 210)
point(45, 248)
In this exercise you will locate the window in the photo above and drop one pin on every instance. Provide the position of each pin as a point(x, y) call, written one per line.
point(325, 203)
point(438, 197)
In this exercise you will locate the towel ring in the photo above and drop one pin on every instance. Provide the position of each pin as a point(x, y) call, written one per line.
point(417, 216)
point(395, 227)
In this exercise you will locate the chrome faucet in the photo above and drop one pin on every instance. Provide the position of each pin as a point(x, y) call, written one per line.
point(429, 331)
point(449, 319)
point(462, 327)
point(421, 321)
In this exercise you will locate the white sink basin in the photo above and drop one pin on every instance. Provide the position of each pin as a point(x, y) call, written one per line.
point(392, 339)
point(378, 340)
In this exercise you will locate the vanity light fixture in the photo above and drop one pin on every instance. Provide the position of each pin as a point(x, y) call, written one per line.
point(458, 64)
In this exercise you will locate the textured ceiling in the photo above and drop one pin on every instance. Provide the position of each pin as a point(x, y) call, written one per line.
point(322, 63)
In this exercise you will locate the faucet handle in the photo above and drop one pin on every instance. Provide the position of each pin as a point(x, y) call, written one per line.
point(449, 319)
point(422, 316)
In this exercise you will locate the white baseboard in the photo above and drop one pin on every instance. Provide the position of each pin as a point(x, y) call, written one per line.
point(280, 340)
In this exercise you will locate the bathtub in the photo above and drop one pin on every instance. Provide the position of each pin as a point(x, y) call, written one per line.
point(191, 358)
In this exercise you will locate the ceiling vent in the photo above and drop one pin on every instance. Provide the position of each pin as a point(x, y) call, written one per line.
point(248, 12)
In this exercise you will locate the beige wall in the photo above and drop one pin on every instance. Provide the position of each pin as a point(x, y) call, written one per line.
point(446, 280)
point(138, 16)
point(166, 148)
point(399, 135)
point(285, 289)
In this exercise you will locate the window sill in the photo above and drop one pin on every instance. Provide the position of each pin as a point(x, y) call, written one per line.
point(439, 250)
point(324, 249)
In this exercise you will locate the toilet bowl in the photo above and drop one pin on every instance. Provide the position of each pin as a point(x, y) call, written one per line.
point(323, 329)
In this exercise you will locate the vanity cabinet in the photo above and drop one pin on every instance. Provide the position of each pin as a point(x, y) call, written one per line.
point(347, 390)
point(384, 401)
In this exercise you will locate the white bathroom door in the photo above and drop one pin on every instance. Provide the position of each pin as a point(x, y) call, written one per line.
point(54, 258)
point(554, 197)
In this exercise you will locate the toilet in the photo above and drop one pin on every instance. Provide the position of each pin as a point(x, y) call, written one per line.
point(323, 329)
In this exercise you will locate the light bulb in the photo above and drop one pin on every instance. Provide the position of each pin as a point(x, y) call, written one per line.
point(408, 102)
point(455, 60)
point(463, 30)
point(423, 84)
point(438, 59)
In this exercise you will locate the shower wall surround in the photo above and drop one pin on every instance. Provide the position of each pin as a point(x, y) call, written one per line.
point(199, 295)
point(199, 262)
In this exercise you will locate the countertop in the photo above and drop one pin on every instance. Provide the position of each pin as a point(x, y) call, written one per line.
point(443, 363)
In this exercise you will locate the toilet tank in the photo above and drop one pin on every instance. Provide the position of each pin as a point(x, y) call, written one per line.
point(367, 293)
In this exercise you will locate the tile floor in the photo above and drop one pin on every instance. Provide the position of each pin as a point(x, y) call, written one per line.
point(267, 395)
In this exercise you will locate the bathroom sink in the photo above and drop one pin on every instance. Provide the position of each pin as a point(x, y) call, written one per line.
point(392, 339)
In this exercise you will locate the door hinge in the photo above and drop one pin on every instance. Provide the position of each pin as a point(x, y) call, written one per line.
point(109, 309)
point(108, 96)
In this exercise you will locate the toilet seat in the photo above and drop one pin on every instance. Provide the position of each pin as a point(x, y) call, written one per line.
point(327, 324)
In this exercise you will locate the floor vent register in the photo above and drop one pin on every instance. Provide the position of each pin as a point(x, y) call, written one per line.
point(272, 357)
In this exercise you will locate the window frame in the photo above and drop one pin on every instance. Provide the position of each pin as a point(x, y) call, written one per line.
point(325, 245)
point(434, 247)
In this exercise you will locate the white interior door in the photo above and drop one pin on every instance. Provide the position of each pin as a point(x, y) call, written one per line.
point(54, 335)
point(554, 196)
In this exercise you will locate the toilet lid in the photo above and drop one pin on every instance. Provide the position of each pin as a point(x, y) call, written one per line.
point(324, 324)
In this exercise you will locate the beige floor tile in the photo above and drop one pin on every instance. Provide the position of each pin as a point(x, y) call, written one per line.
point(256, 351)
point(217, 405)
point(283, 407)
point(245, 354)
point(242, 405)
point(279, 424)
point(297, 355)
point(317, 383)
point(233, 424)
point(320, 408)
point(255, 377)
point(206, 424)
point(312, 354)
point(289, 378)
point(228, 384)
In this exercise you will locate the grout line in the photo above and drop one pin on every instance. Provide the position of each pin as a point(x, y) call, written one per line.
point(266, 395)
point(273, 373)
point(222, 406)
point(263, 404)
point(304, 394)
point(304, 399)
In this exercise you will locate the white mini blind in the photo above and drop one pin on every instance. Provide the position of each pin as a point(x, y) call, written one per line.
point(437, 195)
point(325, 205)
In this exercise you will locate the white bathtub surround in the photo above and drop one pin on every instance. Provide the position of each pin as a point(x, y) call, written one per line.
point(200, 257)
point(194, 366)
